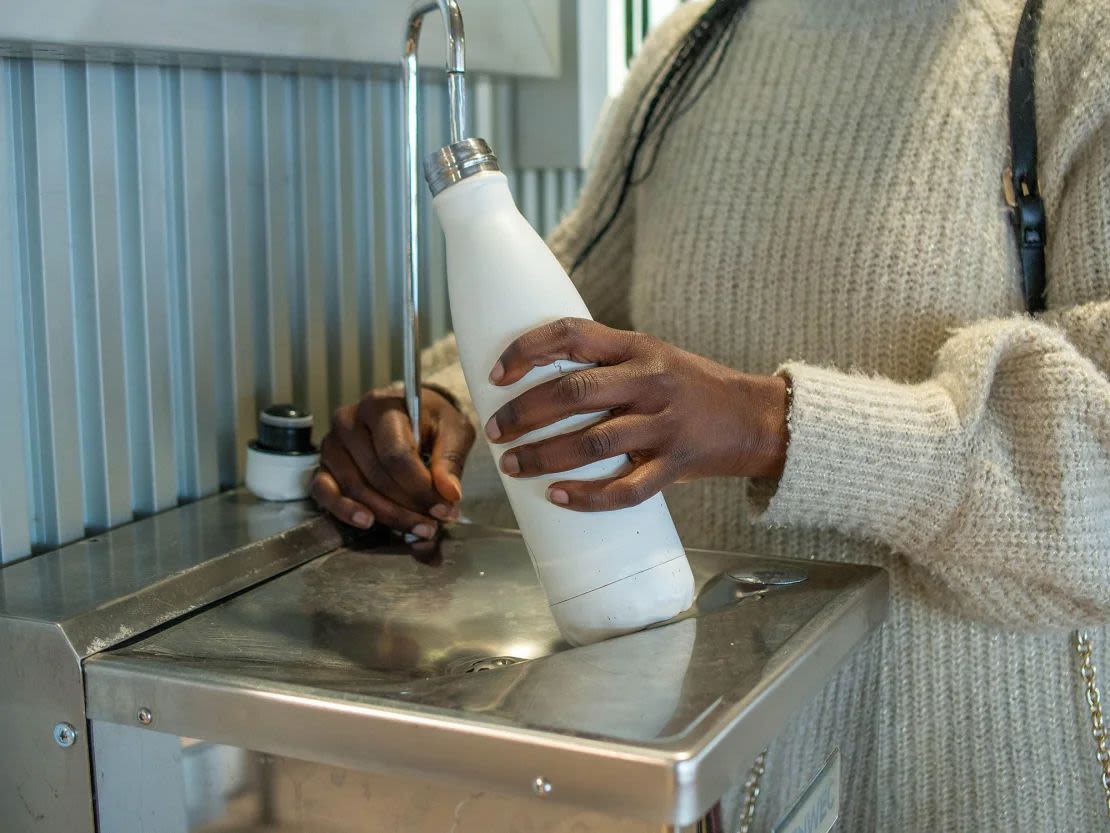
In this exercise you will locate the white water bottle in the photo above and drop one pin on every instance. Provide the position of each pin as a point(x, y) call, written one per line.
point(604, 573)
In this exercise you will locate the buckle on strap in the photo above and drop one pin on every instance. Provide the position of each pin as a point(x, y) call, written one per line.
point(1026, 210)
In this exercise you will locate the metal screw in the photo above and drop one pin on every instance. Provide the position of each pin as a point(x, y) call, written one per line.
point(145, 716)
point(542, 787)
point(65, 735)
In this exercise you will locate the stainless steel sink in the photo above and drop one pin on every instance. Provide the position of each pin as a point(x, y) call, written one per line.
point(294, 645)
point(372, 619)
point(450, 667)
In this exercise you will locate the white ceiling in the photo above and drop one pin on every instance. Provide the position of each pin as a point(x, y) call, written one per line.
point(519, 37)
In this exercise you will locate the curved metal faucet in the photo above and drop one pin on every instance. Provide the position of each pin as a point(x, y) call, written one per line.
point(456, 91)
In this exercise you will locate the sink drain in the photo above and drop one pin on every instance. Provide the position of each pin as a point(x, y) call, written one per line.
point(487, 664)
point(781, 577)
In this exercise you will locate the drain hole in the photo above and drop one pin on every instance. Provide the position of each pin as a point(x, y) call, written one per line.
point(489, 664)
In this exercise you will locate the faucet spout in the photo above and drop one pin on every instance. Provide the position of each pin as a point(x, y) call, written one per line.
point(456, 90)
point(456, 56)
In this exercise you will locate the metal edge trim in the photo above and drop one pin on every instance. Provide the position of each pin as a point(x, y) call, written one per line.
point(849, 620)
point(298, 545)
point(379, 737)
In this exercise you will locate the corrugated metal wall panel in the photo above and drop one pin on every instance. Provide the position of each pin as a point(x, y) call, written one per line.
point(147, 281)
point(48, 308)
point(15, 499)
point(184, 246)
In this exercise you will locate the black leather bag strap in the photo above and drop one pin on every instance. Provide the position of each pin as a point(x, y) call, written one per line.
point(1020, 181)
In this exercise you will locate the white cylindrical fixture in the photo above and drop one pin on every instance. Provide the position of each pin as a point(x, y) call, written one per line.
point(281, 462)
point(279, 476)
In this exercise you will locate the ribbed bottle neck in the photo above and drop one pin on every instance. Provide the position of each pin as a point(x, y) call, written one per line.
point(458, 161)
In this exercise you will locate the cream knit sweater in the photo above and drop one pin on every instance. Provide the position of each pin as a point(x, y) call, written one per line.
point(831, 206)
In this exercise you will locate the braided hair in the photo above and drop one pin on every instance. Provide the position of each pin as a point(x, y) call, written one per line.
point(677, 86)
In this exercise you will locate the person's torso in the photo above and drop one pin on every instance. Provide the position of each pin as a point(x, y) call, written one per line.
point(834, 195)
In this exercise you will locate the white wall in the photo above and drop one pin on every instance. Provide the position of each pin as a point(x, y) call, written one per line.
point(515, 37)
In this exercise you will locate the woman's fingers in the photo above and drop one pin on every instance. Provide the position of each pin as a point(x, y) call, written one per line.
point(399, 457)
point(453, 440)
point(580, 392)
point(371, 469)
point(577, 339)
point(355, 439)
point(643, 482)
point(325, 491)
point(605, 439)
point(351, 431)
point(351, 484)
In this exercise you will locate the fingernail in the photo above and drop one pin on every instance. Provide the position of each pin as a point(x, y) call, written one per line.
point(510, 464)
point(441, 511)
point(498, 373)
point(427, 531)
point(452, 490)
point(493, 430)
point(558, 496)
point(363, 519)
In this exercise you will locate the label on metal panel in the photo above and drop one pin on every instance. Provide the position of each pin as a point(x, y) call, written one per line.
point(818, 807)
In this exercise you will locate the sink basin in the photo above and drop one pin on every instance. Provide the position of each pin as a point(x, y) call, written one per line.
point(450, 667)
point(259, 664)
point(373, 619)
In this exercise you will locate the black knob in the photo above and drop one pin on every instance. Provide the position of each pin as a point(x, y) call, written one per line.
point(285, 429)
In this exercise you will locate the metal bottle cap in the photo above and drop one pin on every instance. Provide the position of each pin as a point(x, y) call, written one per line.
point(285, 429)
point(458, 161)
point(285, 415)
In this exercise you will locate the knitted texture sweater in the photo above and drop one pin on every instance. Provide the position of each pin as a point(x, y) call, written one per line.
point(831, 207)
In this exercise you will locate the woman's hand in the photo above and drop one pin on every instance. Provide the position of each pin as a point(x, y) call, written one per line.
point(677, 415)
point(370, 468)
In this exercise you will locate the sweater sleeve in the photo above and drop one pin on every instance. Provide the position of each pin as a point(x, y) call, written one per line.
point(604, 278)
point(992, 477)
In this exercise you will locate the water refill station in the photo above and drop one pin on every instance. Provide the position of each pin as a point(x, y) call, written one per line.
point(243, 665)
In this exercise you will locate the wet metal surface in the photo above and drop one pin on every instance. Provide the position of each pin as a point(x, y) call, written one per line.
point(368, 658)
point(116, 585)
point(60, 607)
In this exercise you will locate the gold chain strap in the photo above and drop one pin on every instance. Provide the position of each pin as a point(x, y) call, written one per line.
point(1087, 672)
point(751, 793)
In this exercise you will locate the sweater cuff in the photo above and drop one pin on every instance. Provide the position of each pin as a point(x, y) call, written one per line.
point(867, 456)
point(450, 383)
